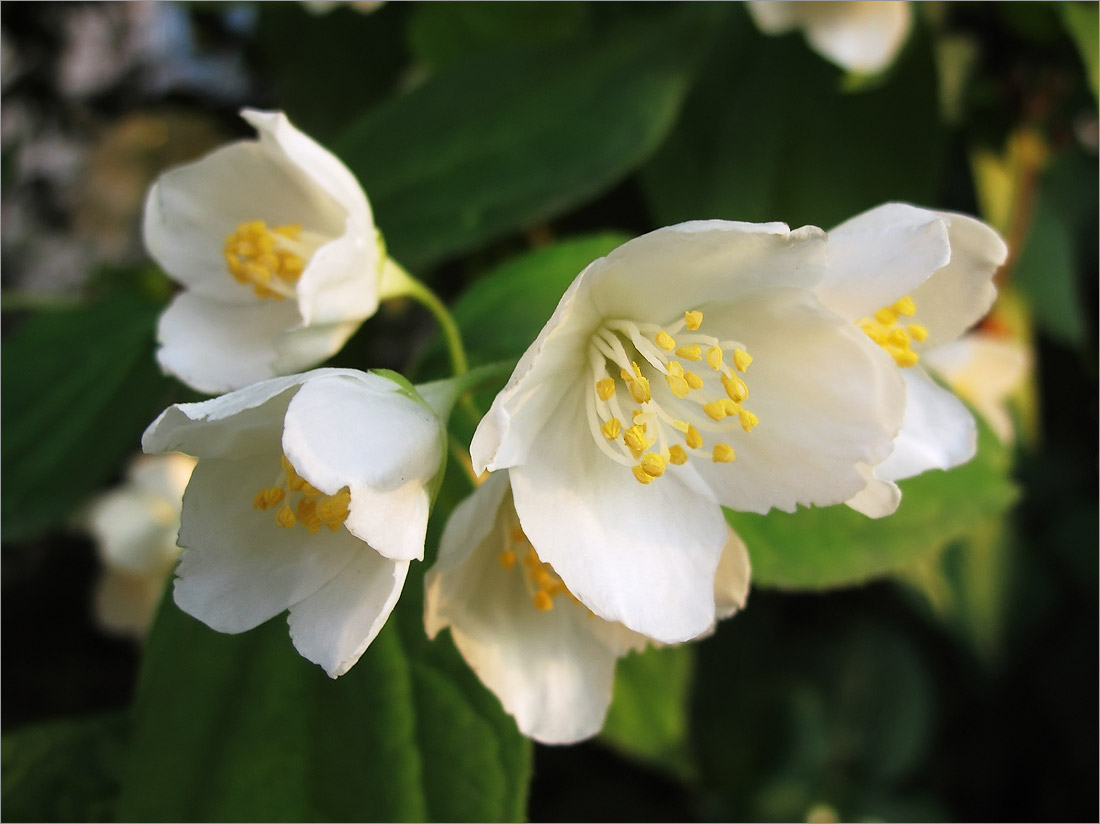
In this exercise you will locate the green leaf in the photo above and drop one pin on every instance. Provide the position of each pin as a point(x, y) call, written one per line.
point(64, 770)
point(1082, 21)
point(79, 387)
point(492, 145)
point(648, 719)
point(768, 134)
point(835, 546)
point(242, 728)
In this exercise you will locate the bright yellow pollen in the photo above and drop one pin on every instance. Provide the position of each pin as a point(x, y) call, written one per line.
point(677, 455)
point(653, 464)
point(723, 453)
point(905, 307)
point(741, 359)
point(693, 380)
point(638, 385)
point(612, 429)
point(312, 508)
point(636, 439)
point(736, 388)
point(268, 497)
point(666, 341)
point(691, 352)
point(693, 320)
point(641, 475)
point(748, 420)
point(715, 410)
point(253, 257)
point(507, 558)
point(886, 316)
point(285, 518)
point(679, 386)
point(693, 438)
point(714, 357)
point(542, 601)
point(605, 388)
point(918, 332)
point(885, 330)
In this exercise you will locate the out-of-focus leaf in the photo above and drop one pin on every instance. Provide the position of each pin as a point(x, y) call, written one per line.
point(835, 546)
point(1046, 273)
point(241, 728)
point(79, 387)
point(64, 770)
point(768, 134)
point(444, 33)
point(648, 719)
point(489, 146)
point(1082, 21)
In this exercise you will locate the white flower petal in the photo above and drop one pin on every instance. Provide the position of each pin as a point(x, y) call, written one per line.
point(393, 522)
point(216, 346)
point(860, 35)
point(126, 603)
point(641, 555)
point(731, 581)
point(827, 399)
point(878, 499)
point(959, 295)
point(774, 17)
point(938, 431)
point(882, 255)
point(239, 568)
point(133, 530)
point(334, 626)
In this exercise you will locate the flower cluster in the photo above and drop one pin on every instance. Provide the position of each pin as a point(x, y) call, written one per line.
point(702, 366)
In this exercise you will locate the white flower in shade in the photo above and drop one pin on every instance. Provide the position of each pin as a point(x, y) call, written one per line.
point(134, 527)
point(692, 368)
point(858, 35)
point(549, 660)
point(914, 279)
point(275, 244)
point(310, 494)
point(985, 370)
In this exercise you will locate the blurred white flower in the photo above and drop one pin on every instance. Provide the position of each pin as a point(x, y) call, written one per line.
point(275, 244)
point(310, 494)
point(985, 370)
point(914, 279)
point(858, 35)
point(621, 424)
point(134, 527)
point(549, 660)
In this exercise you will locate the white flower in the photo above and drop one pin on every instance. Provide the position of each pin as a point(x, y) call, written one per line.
point(621, 423)
point(548, 659)
point(985, 370)
point(134, 527)
point(858, 35)
point(275, 244)
point(914, 279)
point(310, 494)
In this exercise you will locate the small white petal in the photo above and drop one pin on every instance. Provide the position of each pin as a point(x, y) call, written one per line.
point(938, 431)
point(878, 499)
point(731, 581)
point(125, 603)
point(334, 626)
point(133, 530)
point(860, 35)
point(774, 17)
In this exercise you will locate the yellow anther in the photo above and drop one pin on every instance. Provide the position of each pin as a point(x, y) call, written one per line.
point(676, 368)
point(677, 455)
point(637, 415)
point(886, 316)
point(295, 482)
point(285, 518)
point(253, 256)
point(898, 337)
point(309, 490)
point(626, 376)
point(874, 331)
point(334, 508)
point(639, 390)
point(731, 407)
point(289, 230)
point(641, 476)
point(736, 388)
point(919, 333)
point(906, 307)
point(541, 577)
point(692, 352)
point(517, 535)
point(636, 440)
point(507, 559)
point(748, 419)
point(542, 601)
point(741, 359)
point(612, 429)
point(268, 497)
point(605, 388)
point(723, 453)
point(693, 438)
point(666, 341)
point(905, 358)
point(680, 387)
point(693, 380)
point(714, 357)
point(715, 410)
point(693, 320)
point(653, 464)
point(679, 425)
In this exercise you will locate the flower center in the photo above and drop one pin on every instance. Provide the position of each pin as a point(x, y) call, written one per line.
point(269, 260)
point(885, 329)
point(302, 502)
point(671, 412)
point(543, 583)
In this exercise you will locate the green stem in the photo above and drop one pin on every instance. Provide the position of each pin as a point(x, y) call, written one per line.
point(396, 281)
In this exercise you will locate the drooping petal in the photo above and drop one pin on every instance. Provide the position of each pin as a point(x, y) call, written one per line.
point(827, 399)
point(880, 256)
point(938, 431)
point(216, 346)
point(959, 295)
point(239, 568)
point(335, 625)
point(731, 581)
point(641, 555)
point(878, 499)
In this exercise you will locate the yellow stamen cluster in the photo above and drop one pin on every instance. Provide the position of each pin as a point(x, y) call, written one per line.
point(302, 503)
point(543, 583)
point(641, 438)
point(261, 258)
point(885, 329)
